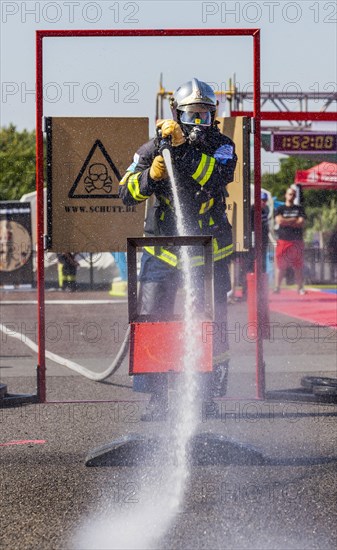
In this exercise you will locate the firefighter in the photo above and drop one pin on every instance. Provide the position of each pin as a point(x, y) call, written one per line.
point(203, 161)
point(67, 269)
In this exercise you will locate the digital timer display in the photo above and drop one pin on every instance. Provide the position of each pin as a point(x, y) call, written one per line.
point(304, 142)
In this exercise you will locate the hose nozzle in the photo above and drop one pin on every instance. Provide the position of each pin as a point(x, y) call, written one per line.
point(164, 143)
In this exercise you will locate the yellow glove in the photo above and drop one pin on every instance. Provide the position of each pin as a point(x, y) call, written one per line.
point(158, 169)
point(172, 128)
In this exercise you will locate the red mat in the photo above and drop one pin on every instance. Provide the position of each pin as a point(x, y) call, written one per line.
point(316, 307)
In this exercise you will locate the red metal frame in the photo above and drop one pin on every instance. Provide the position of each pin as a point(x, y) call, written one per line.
point(260, 370)
point(255, 33)
point(41, 365)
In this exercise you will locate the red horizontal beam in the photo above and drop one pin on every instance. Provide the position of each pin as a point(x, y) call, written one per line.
point(290, 115)
point(318, 185)
point(148, 32)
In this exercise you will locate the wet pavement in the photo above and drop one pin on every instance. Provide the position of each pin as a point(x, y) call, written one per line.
point(268, 479)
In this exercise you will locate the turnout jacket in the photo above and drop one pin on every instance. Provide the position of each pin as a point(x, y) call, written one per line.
point(201, 173)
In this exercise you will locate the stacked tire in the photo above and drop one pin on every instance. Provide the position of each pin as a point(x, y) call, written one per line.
point(320, 385)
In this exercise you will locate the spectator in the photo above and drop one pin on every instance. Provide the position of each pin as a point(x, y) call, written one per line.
point(290, 245)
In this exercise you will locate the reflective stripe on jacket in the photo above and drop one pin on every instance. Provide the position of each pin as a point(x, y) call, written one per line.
point(172, 259)
point(202, 173)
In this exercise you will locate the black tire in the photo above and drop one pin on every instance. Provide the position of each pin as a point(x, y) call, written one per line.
point(311, 381)
point(325, 390)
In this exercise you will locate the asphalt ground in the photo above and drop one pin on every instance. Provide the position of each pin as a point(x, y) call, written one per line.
point(286, 500)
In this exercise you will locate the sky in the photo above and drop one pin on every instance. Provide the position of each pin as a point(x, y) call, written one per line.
point(120, 76)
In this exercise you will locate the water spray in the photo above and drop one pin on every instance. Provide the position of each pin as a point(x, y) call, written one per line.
point(186, 412)
point(144, 525)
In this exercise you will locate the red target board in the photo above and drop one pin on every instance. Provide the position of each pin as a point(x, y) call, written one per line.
point(161, 347)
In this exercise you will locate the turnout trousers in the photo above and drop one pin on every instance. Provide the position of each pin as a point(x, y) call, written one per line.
point(159, 285)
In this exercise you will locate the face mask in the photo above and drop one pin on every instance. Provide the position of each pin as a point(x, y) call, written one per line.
point(196, 134)
point(201, 118)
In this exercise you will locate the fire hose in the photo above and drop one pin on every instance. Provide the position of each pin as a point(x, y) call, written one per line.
point(96, 377)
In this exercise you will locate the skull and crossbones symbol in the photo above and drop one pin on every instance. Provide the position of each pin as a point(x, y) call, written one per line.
point(98, 178)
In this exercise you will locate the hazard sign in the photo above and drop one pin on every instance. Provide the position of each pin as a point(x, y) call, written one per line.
point(97, 177)
point(86, 159)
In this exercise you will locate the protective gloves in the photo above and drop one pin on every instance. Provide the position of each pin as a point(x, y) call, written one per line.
point(158, 169)
point(171, 128)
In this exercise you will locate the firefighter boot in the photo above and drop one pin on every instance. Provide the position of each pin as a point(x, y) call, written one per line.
point(210, 410)
point(157, 408)
point(216, 386)
point(220, 379)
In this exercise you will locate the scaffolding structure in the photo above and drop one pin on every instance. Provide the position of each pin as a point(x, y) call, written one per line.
point(239, 103)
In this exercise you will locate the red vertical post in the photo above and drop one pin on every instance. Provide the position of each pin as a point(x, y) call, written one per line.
point(41, 365)
point(260, 374)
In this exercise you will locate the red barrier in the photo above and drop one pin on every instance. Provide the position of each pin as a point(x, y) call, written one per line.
point(160, 347)
point(254, 327)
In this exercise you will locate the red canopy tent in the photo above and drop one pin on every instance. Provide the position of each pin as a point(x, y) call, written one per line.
point(322, 176)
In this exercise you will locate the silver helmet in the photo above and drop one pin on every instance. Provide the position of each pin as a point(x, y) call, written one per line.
point(193, 96)
point(194, 106)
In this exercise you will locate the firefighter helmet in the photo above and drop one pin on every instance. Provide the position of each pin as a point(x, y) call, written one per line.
point(194, 106)
point(193, 98)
